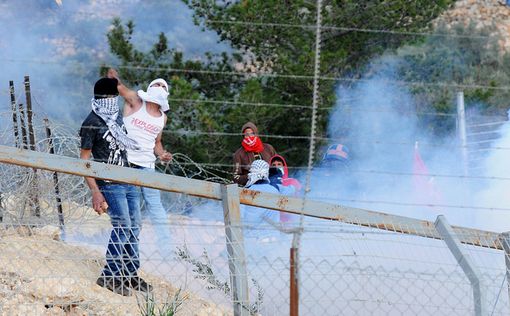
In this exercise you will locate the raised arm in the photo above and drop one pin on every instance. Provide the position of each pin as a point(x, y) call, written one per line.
point(131, 98)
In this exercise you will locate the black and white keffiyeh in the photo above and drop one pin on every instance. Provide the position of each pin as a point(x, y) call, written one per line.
point(108, 110)
point(259, 170)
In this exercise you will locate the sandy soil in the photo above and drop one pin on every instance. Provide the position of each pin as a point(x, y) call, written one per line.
point(42, 275)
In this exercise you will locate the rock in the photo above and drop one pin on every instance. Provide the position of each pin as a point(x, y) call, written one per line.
point(483, 13)
point(18, 305)
point(210, 311)
point(52, 289)
point(52, 232)
point(55, 311)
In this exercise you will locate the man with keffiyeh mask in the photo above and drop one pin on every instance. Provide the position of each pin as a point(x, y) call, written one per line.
point(252, 148)
point(145, 120)
point(104, 137)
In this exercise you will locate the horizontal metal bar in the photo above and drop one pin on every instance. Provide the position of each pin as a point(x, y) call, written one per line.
point(487, 124)
point(481, 150)
point(481, 142)
point(483, 133)
point(98, 170)
point(211, 190)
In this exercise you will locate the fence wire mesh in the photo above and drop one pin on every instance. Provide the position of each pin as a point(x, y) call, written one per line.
point(342, 268)
point(49, 269)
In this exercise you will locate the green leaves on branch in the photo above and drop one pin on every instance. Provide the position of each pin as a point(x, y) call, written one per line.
point(270, 68)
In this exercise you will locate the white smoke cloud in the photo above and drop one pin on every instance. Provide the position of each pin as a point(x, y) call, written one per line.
point(61, 46)
point(377, 119)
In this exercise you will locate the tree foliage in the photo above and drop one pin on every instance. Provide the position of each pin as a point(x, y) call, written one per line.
point(466, 59)
point(268, 78)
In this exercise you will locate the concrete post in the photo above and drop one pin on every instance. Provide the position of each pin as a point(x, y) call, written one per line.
point(235, 249)
point(461, 131)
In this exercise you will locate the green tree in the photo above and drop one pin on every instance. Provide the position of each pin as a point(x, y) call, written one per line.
point(193, 83)
point(458, 58)
point(268, 79)
point(281, 34)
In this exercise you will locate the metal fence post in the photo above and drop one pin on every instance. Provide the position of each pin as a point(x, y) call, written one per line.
point(55, 177)
point(464, 260)
point(461, 131)
point(14, 109)
point(31, 134)
point(505, 241)
point(235, 249)
point(294, 275)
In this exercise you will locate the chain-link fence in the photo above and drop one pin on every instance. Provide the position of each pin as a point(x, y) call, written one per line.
point(342, 268)
point(53, 249)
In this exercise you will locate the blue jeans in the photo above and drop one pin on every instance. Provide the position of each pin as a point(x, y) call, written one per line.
point(157, 215)
point(122, 253)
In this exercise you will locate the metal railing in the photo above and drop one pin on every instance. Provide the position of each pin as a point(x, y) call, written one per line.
point(350, 272)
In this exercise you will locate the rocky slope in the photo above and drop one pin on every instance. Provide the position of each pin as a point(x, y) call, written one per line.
point(41, 275)
point(484, 13)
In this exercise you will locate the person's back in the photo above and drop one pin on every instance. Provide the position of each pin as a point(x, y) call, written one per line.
point(258, 180)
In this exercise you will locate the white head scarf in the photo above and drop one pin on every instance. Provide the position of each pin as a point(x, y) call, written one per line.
point(156, 95)
point(259, 170)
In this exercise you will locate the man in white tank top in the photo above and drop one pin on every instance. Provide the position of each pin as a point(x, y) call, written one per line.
point(145, 119)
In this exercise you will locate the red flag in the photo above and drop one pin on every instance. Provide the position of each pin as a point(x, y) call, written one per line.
point(425, 190)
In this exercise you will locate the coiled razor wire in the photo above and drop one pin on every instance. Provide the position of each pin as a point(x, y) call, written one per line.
point(23, 190)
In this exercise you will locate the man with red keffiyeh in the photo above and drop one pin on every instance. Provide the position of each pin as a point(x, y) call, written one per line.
point(252, 148)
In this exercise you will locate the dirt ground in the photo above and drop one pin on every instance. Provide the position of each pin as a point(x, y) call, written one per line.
point(42, 275)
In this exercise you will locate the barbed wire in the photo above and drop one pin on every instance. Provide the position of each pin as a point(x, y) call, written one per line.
point(26, 178)
point(193, 169)
point(166, 130)
point(326, 27)
point(350, 29)
point(341, 107)
point(284, 105)
point(276, 75)
point(321, 278)
point(68, 140)
point(396, 203)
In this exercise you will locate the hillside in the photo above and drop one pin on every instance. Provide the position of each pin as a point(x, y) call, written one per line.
point(483, 13)
point(41, 275)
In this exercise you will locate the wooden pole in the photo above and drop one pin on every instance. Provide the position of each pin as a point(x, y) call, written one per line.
point(1, 208)
point(31, 135)
point(294, 293)
point(14, 114)
point(24, 139)
point(55, 177)
point(34, 195)
point(31, 143)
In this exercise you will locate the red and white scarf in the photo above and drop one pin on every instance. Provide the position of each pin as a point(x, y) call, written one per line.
point(253, 144)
